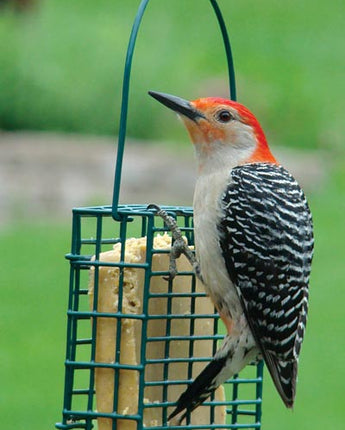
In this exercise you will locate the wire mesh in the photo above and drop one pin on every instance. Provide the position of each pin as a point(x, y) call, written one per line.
point(162, 367)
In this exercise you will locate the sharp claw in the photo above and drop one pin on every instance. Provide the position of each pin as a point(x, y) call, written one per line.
point(170, 277)
point(153, 206)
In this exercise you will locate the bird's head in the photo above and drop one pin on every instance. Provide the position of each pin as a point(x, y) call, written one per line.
point(224, 132)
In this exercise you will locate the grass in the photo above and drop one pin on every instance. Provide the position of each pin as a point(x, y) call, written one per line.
point(34, 303)
point(62, 65)
point(34, 286)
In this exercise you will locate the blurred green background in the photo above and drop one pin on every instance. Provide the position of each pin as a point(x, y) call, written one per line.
point(61, 66)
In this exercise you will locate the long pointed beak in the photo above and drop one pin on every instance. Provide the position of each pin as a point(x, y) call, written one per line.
point(181, 106)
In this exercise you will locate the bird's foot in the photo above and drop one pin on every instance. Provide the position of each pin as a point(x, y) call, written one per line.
point(179, 245)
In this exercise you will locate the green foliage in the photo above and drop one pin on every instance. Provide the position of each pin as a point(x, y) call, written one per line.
point(62, 65)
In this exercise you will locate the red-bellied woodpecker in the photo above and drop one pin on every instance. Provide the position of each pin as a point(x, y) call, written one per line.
point(254, 245)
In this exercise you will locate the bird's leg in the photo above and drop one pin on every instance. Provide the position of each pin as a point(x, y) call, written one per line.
point(179, 245)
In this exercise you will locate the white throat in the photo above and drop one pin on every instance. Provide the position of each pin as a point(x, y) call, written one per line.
point(216, 156)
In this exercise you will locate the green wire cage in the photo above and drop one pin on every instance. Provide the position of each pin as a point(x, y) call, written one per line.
point(170, 332)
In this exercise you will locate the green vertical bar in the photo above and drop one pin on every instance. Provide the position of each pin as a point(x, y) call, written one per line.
point(146, 294)
point(124, 108)
point(119, 321)
point(143, 227)
point(99, 226)
point(227, 46)
point(167, 349)
point(191, 334)
point(71, 320)
point(234, 410)
point(259, 390)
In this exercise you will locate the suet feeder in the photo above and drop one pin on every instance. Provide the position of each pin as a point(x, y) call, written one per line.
point(135, 340)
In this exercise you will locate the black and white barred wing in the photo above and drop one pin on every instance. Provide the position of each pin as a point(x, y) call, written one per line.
point(267, 242)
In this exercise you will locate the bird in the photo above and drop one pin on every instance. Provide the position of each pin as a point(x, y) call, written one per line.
point(254, 246)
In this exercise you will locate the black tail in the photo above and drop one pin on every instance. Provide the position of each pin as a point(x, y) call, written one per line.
point(284, 375)
point(286, 383)
point(200, 389)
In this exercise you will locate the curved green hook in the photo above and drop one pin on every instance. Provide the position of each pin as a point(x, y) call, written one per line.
point(125, 91)
point(227, 46)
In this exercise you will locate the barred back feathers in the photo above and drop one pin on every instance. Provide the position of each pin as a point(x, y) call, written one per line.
point(267, 243)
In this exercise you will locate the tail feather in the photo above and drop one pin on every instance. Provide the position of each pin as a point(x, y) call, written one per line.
point(287, 382)
point(228, 360)
point(200, 389)
point(284, 376)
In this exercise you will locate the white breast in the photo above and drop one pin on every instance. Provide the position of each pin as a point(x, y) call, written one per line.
point(207, 212)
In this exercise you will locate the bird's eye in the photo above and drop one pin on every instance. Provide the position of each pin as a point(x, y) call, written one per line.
point(224, 116)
